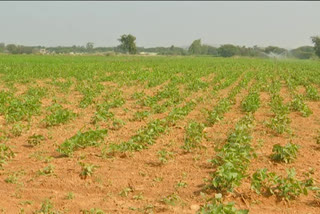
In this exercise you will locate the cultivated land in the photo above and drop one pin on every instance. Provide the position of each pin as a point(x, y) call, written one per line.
point(158, 135)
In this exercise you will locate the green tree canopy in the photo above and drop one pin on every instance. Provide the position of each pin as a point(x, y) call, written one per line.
point(228, 50)
point(128, 43)
point(316, 42)
point(303, 52)
point(195, 48)
point(89, 46)
point(274, 49)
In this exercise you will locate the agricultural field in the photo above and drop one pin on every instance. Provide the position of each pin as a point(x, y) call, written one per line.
point(97, 134)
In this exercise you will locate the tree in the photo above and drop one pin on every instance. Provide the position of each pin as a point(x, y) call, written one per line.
point(304, 52)
point(12, 49)
point(2, 47)
point(274, 49)
point(316, 42)
point(195, 47)
point(128, 43)
point(228, 50)
point(89, 46)
point(212, 50)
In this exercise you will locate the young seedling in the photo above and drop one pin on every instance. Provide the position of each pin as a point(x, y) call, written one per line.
point(87, 170)
point(164, 156)
point(286, 154)
point(35, 140)
point(5, 154)
point(48, 170)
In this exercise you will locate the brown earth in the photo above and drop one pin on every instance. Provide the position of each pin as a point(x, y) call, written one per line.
point(138, 182)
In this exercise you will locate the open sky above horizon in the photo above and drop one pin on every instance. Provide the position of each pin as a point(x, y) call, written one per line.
point(284, 24)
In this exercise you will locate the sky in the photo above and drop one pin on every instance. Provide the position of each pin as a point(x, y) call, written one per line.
point(284, 24)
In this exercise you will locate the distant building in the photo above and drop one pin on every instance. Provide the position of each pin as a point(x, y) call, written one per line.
point(148, 53)
point(43, 51)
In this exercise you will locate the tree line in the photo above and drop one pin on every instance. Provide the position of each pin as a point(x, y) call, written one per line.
point(128, 46)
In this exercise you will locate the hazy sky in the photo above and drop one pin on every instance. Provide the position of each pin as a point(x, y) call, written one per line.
point(285, 24)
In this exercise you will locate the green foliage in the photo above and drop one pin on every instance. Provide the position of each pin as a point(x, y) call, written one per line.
point(48, 170)
point(102, 113)
point(217, 114)
point(128, 43)
point(228, 50)
point(87, 170)
point(82, 140)
point(16, 129)
point(90, 89)
point(58, 115)
point(312, 93)
point(286, 153)
point(216, 206)
point(22, 108)
point(5, 154)
point(172, 199)
point(316, 42)
point(164, 155)
point(93, 211)
point(193, 136)
point(297, 104)
point(14, 177)
point(234, 157)
point(251, 103)
point(280, 123)
point(35, 140)
point(47, 208)
point(277, 105)
point(287, 188)
point(140, 115)
point(147, 135)
point(195, 47)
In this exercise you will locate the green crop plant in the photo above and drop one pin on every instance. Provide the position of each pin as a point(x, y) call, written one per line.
point(47, 208)
point(35, 140)
point(102, 113)
point(172, 199)
point(218, 112)
point(217, 206)
point(234, 157)
point(193, 136)
point(58, 115)
point(312, 93)
point(277, 105)
point(117, 124)
point(138, 95)
point(22, 108)
point(87, 169)
point(93, 211)
point(90, 90)
point(251, 103)
point(37, 92)
point(17, 129)
point(64, 86)
point(70, 196)
point(13, 178)
point(48, 170)
point(287, 188)
point(140, 115)
point(280, 123)
point(5, 154)
point(147, 135)
point(82, 140)
point(298, 104)
point(287, 153)
point(164, 156)
point(125, 191)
